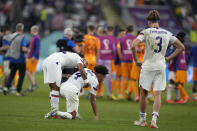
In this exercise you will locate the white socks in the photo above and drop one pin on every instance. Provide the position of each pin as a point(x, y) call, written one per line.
point(54, 95)
point(154, 116)
point(142, 116)
point(64, 115)
point(169, 91)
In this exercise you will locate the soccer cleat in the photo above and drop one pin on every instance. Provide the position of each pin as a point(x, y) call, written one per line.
point(169, 101)
point(19, 94)
point(140, 123)
point(51, 114)
point(153, 125)
point(5, 91)
point(181, 101)
point(1, 89)
point(186, 99)
point(114, 98)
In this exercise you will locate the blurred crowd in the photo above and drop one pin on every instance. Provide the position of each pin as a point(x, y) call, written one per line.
point(51, 15)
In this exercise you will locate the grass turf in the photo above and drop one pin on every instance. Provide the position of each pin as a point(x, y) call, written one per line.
point(27, 114)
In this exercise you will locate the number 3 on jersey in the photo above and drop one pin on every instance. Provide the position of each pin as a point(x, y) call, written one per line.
point(159, 39)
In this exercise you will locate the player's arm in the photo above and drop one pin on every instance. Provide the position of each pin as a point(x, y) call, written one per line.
point(118, 48)
point(97, 51)
point(134, 45)
point(82, 71)
point(94, 107)
point(179, 48)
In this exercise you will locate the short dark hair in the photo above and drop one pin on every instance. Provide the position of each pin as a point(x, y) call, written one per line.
point(181, 36)
point(129, 28)
point(110, 28)
point(91, 27)
point(121, 30)
point(101, 69)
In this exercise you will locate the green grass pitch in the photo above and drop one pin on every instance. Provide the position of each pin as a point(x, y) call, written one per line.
point(27, 114)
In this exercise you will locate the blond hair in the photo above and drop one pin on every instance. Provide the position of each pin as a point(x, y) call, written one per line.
point(35, 28)
point(20, 27)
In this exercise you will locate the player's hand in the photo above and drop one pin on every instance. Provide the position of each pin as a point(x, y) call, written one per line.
point(33, 59)
point(96, 118)
point(167, 59)
point(139, 64)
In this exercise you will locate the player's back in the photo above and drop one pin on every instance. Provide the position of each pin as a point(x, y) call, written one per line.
point(156, 43)
point(125, 44)
point(78, 82)
point(108, 44)
point(91, 43)
point(65, 58)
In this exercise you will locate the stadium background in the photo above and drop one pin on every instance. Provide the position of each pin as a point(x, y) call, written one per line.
point(53, 16)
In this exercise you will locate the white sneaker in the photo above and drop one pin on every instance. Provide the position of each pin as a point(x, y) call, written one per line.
point(153, 125)
point(51, 114)
point(140, 123)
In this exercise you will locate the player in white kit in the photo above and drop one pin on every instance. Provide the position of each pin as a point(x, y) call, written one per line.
point(71, 89)
point(153, 67)
point(52, 68)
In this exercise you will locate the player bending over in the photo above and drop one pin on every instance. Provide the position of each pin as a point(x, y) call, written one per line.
point(153, 68)
point(52, 68)
point(71, 88)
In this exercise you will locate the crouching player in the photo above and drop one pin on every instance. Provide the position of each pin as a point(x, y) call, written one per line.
point(71, 89)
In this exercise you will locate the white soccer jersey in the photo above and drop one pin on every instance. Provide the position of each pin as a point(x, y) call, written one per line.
point(76, 82)
point(65, 58)
point(156, 43)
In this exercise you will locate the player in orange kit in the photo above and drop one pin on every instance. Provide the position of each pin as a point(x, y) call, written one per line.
point(91, 47)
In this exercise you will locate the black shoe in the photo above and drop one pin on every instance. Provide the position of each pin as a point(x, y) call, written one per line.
point(5, 91)
point(34, 87)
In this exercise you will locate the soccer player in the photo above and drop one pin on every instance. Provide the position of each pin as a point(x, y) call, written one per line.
point(193, 53)
point(117, 67)
point(181, 72)
point(127, 58)
point(71, 88)
point(52, 68)
point(33, 57)
point(107, 43)
point(153, 68)
point(91, 47)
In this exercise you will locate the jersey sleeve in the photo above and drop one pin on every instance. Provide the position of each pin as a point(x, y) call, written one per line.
point(79, 59)
point(172, 39)
point(98, 44)
point(141, 36)
point(94, 87)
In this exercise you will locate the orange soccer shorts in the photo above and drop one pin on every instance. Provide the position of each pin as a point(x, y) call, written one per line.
point(126, 69)
point(181, 76)
point(31, 65)
point(135, 71)
point(195, 74)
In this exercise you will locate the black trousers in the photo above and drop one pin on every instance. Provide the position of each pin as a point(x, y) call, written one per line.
point(14, 67)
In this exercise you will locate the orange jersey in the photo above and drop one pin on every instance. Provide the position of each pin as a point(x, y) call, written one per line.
point(91, 44)
point(141, 51)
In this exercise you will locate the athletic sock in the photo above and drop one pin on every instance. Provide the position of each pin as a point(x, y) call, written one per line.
point(176, 93)
point(142, 116)
point(54, 100)
point(119, 88)
point(183, 93)
point(154, 116)
point(124, 86)
point(169, 91)
point(114, 85)
point(64, 115)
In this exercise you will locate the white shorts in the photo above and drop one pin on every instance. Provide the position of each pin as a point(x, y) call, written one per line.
point(52, 72)
point(171, 75)
point(157, 78)
point(72, 97)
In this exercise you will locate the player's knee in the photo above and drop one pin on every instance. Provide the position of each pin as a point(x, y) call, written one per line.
point(53, 86)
